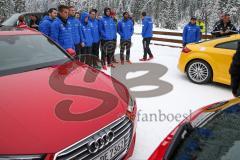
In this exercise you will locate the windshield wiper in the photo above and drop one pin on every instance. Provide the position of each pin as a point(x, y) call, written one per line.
point(183, 131)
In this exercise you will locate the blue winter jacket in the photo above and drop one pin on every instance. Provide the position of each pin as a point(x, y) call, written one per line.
point(125, 29)
point(94, 24)
point(147, 28)
point(75, 25)
point(87, 34)
point(191, 33)
point(45, 25)
point(108, 28)
point(62, 33)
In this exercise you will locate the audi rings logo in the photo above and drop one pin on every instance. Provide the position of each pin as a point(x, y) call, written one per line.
point(100, 141)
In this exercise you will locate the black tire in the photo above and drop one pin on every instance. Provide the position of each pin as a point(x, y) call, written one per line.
point(199, 72)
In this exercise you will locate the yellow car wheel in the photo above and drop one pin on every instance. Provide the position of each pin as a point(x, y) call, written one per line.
point(199, 72)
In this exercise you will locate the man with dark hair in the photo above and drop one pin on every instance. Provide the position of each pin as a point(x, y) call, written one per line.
point(219, 21)
point(125, 29)
point(108, 32)
point(77, 15)
point(224, 28)
point(113, 15)
point(147, 33)
point(87, 39)
point(61, 31)
point(45, 24)
point(75, 27)
point(34, 22)
point(94, 24)
point(191, 32)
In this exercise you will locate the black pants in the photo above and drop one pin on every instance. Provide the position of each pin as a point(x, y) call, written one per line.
point(125, 44)
point(235, 84)
point(95, 53)
point(113, 56)
point(108, 49)
point(146, 48)
point(86, 55)
point(78, 49)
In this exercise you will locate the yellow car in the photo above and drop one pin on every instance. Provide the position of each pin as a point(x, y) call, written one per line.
point(210, 60)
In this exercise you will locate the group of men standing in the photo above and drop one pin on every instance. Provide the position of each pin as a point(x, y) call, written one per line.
point(194, 29)
point(89, 34)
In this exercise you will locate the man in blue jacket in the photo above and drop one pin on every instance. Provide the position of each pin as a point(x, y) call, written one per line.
point(87, 39)
point(191, 32)
point(61, 31)
point(75, 26)
point(125, 30)
point(147, 33)
point(45, 24)
point(108, 32)
point(113, 15)
point(94, 24)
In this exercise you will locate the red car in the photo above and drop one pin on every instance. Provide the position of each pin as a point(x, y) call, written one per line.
point(55, 108)
point(210, 133)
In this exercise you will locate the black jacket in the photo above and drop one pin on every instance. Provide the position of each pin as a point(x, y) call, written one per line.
point(219, 26)
point(235, 72)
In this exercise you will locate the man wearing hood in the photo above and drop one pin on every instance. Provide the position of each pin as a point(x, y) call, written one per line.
point(147, 33)
point(191, 32)
point(108, 31)
point(75, 26)
point(87, 39)
point(61, 31)
point(125, 30)
point(224, 27)
point(45, 24)
point(94, 24)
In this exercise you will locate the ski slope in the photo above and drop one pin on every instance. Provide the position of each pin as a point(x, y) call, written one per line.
point(184, 98)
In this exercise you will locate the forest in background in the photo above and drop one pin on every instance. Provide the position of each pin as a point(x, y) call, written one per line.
point(169, 14)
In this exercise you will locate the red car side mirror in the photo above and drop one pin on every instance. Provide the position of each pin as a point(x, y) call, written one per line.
point(71, 52)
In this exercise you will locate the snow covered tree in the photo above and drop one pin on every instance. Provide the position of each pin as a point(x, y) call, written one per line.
point(19, 6)
point(36, 5)
point(155, 6)
point(6, 8)
point(137, 8)
point(171, 22)
point(165, 13)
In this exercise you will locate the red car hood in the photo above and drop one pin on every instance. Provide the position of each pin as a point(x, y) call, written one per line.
point(34, 113)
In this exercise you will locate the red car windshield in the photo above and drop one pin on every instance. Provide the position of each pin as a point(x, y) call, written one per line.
point(217, 139)
point(28, 52)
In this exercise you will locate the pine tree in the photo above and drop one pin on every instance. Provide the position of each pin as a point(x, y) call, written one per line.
point(156, 14)
point(165, 13)
point(19, 6)
point(172, 16)
point(137, 8)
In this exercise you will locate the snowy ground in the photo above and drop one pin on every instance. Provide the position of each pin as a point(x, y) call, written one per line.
point(185, 98)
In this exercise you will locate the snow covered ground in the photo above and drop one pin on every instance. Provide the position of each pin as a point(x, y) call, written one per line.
point(185, 98)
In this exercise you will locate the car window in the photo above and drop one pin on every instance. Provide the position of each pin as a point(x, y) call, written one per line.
point(28, 19)
point(12, 21)
point(228, 45)
point(28, 53)
point(219, 138)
